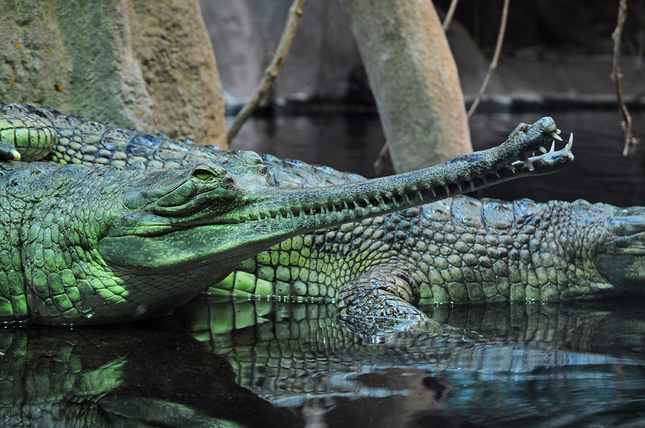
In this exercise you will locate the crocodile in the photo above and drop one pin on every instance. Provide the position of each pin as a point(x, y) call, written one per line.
point(459, 250)
point(123, 225)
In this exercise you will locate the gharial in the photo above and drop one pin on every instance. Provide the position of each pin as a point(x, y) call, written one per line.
point(90, 244)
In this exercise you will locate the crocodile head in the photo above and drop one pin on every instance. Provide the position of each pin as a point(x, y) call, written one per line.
point(161, 236)
point(621, 256)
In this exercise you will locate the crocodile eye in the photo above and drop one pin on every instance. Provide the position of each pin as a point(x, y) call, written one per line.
point(204, 174)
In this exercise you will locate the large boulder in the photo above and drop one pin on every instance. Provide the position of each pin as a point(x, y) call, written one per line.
point(238, 44)
point(135, 63)
point(323, 61)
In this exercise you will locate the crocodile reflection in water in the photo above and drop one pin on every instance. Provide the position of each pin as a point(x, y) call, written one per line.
point(297, 356)
point(148, 374)
point(565, 362)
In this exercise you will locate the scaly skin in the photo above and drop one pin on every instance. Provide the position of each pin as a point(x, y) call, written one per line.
point(91, 244)
point(459, 250)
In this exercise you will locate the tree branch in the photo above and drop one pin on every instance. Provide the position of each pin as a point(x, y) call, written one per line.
point(271, 72)
point(451, 12)
point(617, 75)
point(493, 64)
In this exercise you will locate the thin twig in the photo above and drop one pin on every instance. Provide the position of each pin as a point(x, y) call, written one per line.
point(271, 72)
point(451, 12)
point(617, 75)
point(493, 64)
point(383, 154)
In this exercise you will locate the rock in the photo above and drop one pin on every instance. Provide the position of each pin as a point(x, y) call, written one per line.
point(471, 63)
point(135, 63)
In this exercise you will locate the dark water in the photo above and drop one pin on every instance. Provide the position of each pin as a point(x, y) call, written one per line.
point(222, 363)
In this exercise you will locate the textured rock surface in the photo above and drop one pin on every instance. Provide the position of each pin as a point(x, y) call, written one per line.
point(554, 51)
point(138, 64)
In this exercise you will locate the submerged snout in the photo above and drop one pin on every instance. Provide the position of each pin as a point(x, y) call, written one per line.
point(621, 260)
point(627, 221)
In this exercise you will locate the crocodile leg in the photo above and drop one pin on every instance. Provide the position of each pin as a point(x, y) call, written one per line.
point(8, 152)
point(380, 298)
point(26, 136)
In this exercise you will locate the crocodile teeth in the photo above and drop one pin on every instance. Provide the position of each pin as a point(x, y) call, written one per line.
point(528, 164)
point(543, 150)
point(552, 148)
point(567, 148)
point(555, 135)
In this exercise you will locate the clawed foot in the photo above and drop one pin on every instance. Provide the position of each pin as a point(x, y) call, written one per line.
point(8, 152)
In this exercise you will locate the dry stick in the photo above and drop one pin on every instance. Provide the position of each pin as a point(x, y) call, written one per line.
point(449, 15)
point(271, 72)
point(627, 119)
point(493, 63)
point(384, 153)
